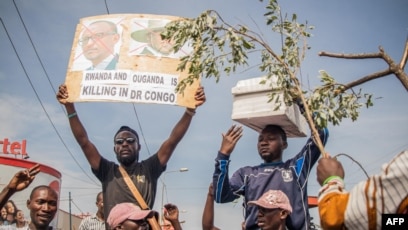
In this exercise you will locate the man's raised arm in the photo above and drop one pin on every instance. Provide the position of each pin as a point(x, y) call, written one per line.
point(88, 148)
point(178, 132)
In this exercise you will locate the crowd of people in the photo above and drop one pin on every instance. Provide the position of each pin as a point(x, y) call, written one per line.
point(274, 192)
point(42, 202)
point(12, 217)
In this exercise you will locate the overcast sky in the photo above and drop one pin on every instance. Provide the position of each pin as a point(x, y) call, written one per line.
point(30, 78)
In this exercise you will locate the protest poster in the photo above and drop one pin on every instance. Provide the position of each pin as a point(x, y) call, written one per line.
point(122, 58)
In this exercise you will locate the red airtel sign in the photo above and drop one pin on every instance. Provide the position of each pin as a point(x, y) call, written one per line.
point(14, 147)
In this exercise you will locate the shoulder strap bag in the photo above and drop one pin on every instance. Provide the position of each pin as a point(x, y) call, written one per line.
point(152, 220)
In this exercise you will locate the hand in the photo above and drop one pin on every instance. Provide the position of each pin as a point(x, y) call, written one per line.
point(62, 94)
point(199, 96)
point(23, 178)
point(171, 212)
point(327, 167)
point(230, 139)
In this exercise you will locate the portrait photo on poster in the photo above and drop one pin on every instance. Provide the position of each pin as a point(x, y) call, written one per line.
point(98, 45)
point(146, 39)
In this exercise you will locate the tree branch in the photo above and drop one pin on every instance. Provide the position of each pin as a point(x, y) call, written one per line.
point(350, 56)
point(367, 78)
point(404, 56)
point(396, 69)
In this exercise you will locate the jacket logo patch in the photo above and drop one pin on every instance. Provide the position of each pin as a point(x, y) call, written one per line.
point(287, 175)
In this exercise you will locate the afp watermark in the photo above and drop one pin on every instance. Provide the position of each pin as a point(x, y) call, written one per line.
point(394, 221)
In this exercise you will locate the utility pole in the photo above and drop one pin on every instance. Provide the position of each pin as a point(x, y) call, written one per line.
point(70, 215)
point(164, 188)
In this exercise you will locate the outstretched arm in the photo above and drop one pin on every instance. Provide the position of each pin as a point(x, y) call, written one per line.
point(171, 213)
point(20, 181)
point(178, 132)
point(333, 198)
point(225, 188)
point(88, 148)
point(208, 213)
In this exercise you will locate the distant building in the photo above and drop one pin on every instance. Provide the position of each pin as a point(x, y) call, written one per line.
point(63, 220)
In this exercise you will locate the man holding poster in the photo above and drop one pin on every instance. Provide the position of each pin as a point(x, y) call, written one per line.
point(144, 174)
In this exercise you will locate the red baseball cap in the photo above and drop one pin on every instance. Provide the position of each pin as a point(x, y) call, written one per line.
point(127, 211)
point(273, 199)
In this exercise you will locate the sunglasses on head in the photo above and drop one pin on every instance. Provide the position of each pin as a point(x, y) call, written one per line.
point(129, 140)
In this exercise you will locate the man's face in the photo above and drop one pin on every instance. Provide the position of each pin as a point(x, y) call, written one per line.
point(4, 212)
point(156, 42)
point(269, 219)
point(42, 206)
point(98, 42)
point(20, 216)
point(99, 203)
point(126, 148)
point(270, 146)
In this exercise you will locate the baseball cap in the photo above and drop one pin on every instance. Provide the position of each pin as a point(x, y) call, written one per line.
point(127, 211)
point(273, 199)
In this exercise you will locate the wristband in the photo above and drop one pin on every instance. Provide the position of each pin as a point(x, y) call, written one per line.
point(72, 115)
point(330, 178)
point(191, 113)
